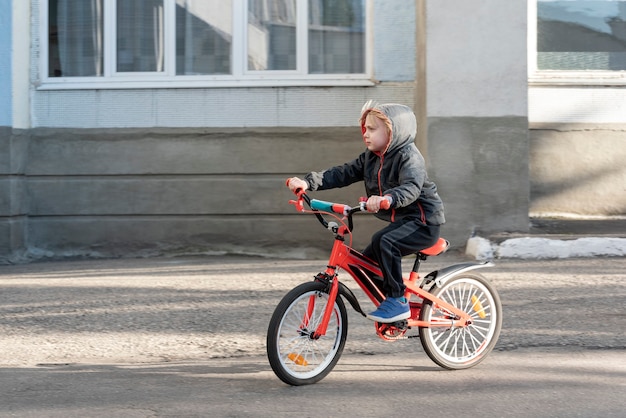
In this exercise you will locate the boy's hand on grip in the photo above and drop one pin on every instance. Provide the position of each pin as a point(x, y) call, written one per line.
point(376, 203)
point(296, 184)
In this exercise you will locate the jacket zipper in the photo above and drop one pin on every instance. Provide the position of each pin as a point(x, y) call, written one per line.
point(380, 188)
point(380, 169)
point(422, 213)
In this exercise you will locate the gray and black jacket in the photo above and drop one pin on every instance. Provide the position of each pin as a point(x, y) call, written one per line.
point(399, 172)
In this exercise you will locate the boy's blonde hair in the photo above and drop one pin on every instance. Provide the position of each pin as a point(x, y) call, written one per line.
point(370, 109)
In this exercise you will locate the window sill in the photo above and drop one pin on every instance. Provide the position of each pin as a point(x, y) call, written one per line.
point(112, 84)
point(578, 78)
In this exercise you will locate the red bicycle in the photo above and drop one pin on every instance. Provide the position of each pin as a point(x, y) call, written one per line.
point(456, 311)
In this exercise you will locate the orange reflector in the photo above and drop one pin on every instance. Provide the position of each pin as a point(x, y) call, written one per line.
point(298, 359)
point(478, 307)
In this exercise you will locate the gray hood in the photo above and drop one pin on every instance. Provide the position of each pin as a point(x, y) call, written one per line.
point(403, 123)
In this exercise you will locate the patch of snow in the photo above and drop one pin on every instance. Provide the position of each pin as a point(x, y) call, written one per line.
point(545, 248)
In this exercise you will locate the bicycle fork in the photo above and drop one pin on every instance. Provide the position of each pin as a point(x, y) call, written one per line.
point(338, 253)
point(320, 330)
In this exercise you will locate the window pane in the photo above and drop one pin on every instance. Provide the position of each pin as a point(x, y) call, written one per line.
point(336, 36)
point(140, 35)
point(204, 32)
point(581, 35)
point(75, 47)
point(271, 34)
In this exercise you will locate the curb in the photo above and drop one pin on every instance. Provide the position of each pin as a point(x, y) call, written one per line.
point(545, 248)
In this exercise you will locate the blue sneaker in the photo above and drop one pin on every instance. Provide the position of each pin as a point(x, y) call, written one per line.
point(390, 310)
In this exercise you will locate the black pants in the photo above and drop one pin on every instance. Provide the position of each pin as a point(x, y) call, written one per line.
point(398, 239)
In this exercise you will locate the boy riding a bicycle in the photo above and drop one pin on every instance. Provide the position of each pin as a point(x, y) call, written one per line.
point(392, 169)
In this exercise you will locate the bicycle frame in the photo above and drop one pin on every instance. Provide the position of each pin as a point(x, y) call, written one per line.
point(361, 269)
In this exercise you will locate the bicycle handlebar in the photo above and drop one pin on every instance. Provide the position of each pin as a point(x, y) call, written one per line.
point(343, 209)
point(339, 208)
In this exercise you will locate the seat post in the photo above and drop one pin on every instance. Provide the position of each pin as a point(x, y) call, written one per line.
point(417, 263)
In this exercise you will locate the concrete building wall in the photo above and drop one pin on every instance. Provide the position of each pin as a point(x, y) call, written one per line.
point(578, 170)
point(212, 107)
point(137, 191)
point(6, 37)
point(5, 130)
point(577, 151)
point(13, 139)
point(477, 114)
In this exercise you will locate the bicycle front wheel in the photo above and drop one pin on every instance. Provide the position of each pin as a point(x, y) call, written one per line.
point(458, 348)
point(295, 354)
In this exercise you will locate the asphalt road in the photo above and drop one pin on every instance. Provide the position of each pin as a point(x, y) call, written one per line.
point(185, 337)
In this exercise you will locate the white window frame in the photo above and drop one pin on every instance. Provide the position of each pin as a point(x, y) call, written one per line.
point(240, 77)
point(559, 77)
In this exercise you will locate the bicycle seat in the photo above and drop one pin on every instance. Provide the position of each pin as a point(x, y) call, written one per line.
point(440, 247)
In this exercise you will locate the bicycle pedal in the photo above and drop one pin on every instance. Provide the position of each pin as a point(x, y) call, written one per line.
point(401, 325)
point(392, 331)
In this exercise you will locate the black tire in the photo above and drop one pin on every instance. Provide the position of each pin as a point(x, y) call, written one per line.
point(296, 358)
point(462, 348)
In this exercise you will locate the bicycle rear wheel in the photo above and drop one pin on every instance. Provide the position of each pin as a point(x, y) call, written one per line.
point(295, 356)
point(458, 348)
